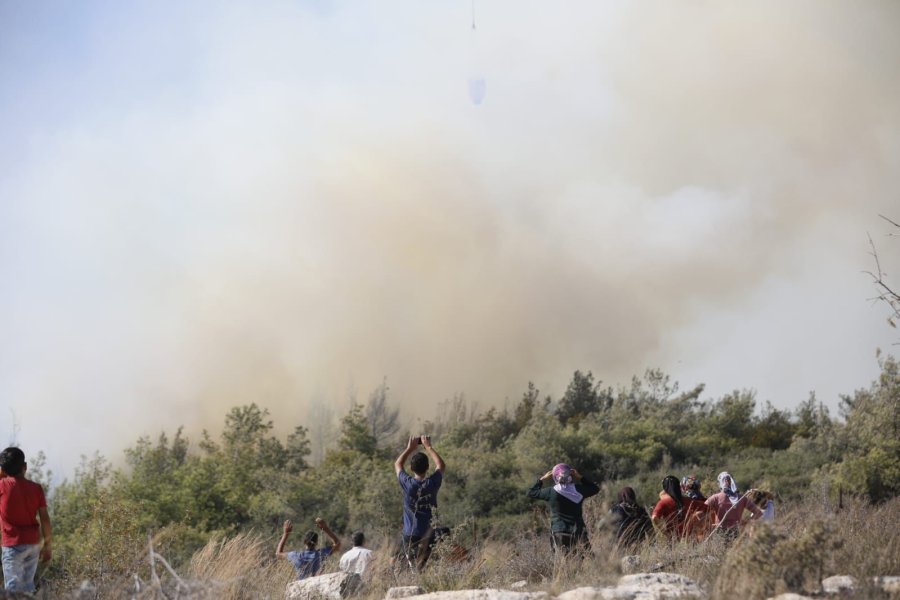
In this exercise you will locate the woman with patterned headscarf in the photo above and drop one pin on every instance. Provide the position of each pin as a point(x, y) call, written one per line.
point(566, 497)
point(690, 488)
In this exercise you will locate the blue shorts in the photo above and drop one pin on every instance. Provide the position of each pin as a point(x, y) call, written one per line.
point(19, 566)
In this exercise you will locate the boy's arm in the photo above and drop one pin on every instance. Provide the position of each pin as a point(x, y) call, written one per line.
point(401, 460)
point(279, 549)
point(335, 542)
point(438, 461)
point(47, 533)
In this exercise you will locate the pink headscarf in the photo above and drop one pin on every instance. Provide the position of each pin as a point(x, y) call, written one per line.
point(562, 476)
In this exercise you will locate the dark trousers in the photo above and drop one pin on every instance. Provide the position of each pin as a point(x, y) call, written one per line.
point(568, 542)
point(417, 549)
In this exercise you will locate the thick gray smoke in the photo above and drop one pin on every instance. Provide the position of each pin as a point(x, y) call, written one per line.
point(283, 204)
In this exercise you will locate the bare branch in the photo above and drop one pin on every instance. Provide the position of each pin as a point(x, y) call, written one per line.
point(886, 294)
point(895, 224)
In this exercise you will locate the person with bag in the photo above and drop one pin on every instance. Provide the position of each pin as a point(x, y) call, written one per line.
point(420, 492)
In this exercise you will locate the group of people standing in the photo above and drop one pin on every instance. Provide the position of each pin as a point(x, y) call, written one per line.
point(684, 513)
point(681, 513)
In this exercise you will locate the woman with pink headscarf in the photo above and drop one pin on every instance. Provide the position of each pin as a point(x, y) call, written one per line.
point(567, 528)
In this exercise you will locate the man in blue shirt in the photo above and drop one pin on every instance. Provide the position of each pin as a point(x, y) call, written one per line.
point(308, 562)
point(419, 497)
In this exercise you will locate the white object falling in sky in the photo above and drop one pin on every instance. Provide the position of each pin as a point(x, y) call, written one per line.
point(477, 90)
point(477, 84)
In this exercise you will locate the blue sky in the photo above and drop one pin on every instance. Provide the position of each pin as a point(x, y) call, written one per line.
point(211, 203)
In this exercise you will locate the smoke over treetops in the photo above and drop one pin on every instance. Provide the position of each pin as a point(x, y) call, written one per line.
point(282, 203)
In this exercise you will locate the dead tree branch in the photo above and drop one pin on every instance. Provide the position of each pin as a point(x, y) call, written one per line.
point(886, 293)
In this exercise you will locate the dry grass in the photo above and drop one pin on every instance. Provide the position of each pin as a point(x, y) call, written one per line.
point(808, 541)
point(241, 567)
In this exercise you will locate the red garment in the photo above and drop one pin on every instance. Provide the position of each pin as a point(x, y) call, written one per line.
point(690, 525)
point(675, 525)
point(20, 500)
point(667, 511)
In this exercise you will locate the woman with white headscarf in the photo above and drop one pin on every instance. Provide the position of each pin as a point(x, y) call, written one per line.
point(567, 528)
point(728, 506)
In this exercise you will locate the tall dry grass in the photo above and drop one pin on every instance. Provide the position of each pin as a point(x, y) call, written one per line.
point(809, 540)
point(241, 567)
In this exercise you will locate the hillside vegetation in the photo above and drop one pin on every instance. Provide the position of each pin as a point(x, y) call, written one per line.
point(196, 499)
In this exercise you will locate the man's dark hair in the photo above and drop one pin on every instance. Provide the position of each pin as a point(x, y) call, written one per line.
point(359, 538)
point(419, 463)
point(12, 460)
point(311, 539)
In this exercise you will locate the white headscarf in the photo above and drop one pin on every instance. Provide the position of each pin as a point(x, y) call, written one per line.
point(730, 490)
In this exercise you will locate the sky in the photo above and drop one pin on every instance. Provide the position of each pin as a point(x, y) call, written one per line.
point(206, 204)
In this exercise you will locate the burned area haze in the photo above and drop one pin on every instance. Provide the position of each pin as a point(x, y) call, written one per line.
point(209, 204)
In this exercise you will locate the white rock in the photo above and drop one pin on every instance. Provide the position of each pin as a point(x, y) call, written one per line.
point(593, 593)
point(489, 594)
point(403, 591)
point(890, 584)
point(332, 586)
point(518, 585)
point(640, 586)
point(790, 596)
point(838, 584)
point(659, 586)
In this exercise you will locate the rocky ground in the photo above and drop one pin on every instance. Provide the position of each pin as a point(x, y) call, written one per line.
point(637, 586)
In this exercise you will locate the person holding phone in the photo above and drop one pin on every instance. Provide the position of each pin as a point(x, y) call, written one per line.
point(420, 492)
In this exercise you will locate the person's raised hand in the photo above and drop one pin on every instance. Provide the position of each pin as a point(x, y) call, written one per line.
point(288, 526)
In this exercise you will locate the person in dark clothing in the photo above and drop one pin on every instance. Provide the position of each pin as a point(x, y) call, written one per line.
point(567, 528)
point(631, 520)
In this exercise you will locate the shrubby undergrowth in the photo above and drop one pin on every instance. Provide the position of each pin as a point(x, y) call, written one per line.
point(213, 507)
